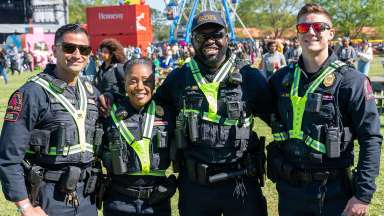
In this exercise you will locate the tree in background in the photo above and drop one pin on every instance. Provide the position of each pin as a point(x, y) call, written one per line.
point(77, 8)
point(277, 15)
point(350, 16)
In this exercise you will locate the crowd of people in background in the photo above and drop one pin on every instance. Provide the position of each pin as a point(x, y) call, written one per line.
point(268, 55)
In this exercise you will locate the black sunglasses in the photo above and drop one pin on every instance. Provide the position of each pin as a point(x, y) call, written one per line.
point(200, 37)
point(70, 48)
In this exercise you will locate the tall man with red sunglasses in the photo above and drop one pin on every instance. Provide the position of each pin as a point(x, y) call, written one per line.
point(323, 106)
point(49, 134)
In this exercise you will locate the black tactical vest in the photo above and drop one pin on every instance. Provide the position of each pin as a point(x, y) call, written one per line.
point(217, 143)
point(159, 149)
point(57, 130)
point(315, 124)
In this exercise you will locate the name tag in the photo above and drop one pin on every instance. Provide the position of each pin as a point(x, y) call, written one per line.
point(327, 97)
point(160, 123)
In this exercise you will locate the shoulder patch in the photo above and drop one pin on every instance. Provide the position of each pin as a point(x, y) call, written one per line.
point(368, 92)
point(14, 108)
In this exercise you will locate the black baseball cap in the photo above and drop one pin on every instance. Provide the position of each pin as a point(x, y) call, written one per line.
point(208, 17)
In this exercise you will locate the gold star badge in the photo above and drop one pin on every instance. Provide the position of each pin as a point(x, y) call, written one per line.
point(329, 80)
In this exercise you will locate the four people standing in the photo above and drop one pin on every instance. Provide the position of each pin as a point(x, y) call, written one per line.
point(202, 119)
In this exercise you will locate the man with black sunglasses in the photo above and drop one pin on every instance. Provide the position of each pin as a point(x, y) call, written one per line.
point(323, 106)
point(215, 97)
point(50, 135)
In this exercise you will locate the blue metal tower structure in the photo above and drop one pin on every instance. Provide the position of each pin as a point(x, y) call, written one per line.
point(175, 13)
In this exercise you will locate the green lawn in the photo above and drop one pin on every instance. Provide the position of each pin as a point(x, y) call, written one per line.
point(376, 208)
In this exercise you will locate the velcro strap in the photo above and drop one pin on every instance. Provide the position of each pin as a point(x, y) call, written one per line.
point(55, 175)
point(142, 193)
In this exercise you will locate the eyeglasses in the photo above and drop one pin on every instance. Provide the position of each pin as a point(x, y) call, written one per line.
point(316, 26)
point(70, 48)
point(200, 37)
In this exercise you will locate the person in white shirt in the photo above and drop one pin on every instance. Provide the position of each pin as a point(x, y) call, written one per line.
point(365, 56)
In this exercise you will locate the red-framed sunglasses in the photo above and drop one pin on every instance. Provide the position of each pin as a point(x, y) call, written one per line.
point(316, 26)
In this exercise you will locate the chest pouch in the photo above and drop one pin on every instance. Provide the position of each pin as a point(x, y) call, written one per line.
point(235, 78)
point(162, 139)
point(59, 139)
point(333, 142)
point(193, 126)
point(39, 142)
point(313, 102)
point(234, 105)
point(118, 153)
point(233, 109)
point(97, 140)
point(179, 137)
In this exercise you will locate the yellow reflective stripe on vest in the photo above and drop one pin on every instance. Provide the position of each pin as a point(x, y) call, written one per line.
point(315, 144)
point(141, 147)
point(77, 115)
point(210, 89)
point(282, 136)
point(67, 150)
point(151, 173)
point(215, 118)
point(299, 103)
point(122, 127)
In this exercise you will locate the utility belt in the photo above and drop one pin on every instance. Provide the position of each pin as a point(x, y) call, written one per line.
point(304, 177)
point(152, 194)
point(279, 168)
point(66, 178)
point(54, 143)
point(139, 193)
point(206, 174)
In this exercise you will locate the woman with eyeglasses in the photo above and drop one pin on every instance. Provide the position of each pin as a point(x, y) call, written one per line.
point(323, 105)
point(136, 148)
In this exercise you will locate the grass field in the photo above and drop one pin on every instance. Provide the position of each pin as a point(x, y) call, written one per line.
point(376, 207)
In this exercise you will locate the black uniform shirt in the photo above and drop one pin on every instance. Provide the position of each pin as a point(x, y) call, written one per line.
point(358, 111)
point(26, 108)
point(111, 79)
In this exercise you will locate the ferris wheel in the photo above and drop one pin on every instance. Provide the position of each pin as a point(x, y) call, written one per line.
point(181, 13)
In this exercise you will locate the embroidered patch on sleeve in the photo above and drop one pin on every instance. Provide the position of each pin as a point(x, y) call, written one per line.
point(368, 90)
point(14, 108)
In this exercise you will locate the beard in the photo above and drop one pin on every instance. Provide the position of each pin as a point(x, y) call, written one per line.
point(212, 60)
